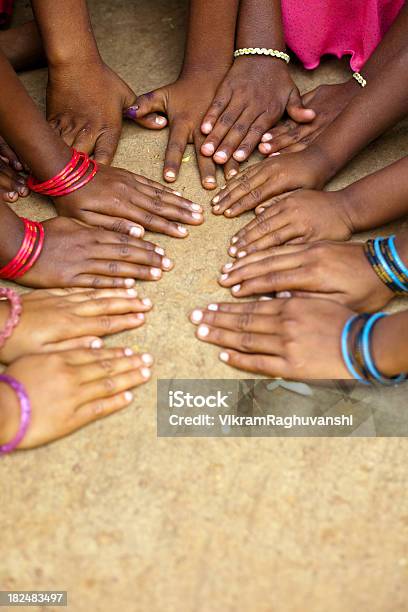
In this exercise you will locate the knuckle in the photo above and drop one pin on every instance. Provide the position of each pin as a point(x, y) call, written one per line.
point(157, 204)
point(247, 342)
point(244, 321)
point(107, 365)
point(109, 385)
point(240, 128)
point(148, 219)
point(105, 323)
point(113, 267)
point(96, 282)
point(255, 194)
point(227, 119)
point(256, 130)
point(124, 250)
point(245, 183)
point(218, 103)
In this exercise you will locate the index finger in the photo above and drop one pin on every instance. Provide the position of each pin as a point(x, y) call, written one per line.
point(176, 146)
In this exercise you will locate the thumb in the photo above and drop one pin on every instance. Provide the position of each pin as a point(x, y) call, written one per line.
point(105, 146)
point(145, 109)
point(296, 110)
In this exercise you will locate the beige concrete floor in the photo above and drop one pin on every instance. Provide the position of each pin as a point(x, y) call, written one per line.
point(125, 521)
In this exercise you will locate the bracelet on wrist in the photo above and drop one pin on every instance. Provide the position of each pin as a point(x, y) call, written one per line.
point(14, 314)
point(357, 354)
point(387, 264)
point(28, 253)
point(79, 171)
point(25, 413)
point(262, 51)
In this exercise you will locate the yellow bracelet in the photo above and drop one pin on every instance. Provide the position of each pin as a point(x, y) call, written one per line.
point(360, 79)
point(257, 51)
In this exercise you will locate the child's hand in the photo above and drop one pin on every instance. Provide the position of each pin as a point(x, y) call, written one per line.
point(295, 218)
point(328, 101)
point(272, 177)
point(277, 338)
point(65, 319)
point(68, 390)
point(339, 272)
point(85, 104)
point(184, 104)
point(250, 100)
point(119, 200)
point(75, 255)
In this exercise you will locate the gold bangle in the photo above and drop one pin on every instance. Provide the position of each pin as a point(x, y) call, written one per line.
point(360, 79)
point(257, 51)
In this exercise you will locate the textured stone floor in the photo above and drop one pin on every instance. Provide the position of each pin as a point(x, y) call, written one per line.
point(125, 521)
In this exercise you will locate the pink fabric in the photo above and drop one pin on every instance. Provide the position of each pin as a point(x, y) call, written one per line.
point(338, 27)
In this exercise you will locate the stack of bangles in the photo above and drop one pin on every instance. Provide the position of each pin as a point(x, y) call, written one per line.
point(79, 171)
point(25, 406)
point(28, 253)
point(356, 346)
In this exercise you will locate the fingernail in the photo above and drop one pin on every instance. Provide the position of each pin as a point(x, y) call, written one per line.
point(265, 298)
point(197, 316)
point(228, 211)
point(206, 128)
point(128, 352)
point(160, 120)
point(137, 231)
point(167, 263)
point(131, 292)
point(274, 154)
point(234, 239)
point(284, 294)
point(197, 216)
point(228, 266)
point(146, 373)
point(178, 193)
point(130, 282)
point(220, 155)
point(159, 251)
point(216, 199)
point(128, 396)
point(13, 194)
point(203, 331)
point(147, 302)
point(147, 359)
point(140, 316)
point(212, 307)
point(23, 191)
point(267, 147)
point(132, 112)
point(210, 179)
point(18, 166)
point(267, 137)
point(155, 272)
point(182, 230)
point(196, 207)
point(236, 288)
point(260, 210)
point(239, 155)
point(208, 148)
point(233, 251)
point(224, 357)
point(242, 254)
point(170, 174)
point(231, 174)
point(96, 344)
point(216, 208)
point(224, 277)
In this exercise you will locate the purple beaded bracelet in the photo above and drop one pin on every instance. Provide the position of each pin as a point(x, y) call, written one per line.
point(25, 413)
point(14, 316)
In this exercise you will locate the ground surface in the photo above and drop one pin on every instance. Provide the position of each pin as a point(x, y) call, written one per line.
point(125, 521)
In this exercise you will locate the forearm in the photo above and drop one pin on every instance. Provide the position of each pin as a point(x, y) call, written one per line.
point(260, 25)
point(24, 128)
point(11, 234)
point(378, 107)
point(210, 35)
point(390, 344)
point(66, 31)
point(377, 199)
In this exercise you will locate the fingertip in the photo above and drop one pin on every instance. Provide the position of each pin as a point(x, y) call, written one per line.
point(170, 176)
point(209, 183)
point(206, 128)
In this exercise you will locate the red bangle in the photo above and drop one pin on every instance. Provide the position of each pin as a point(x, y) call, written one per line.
point(27, 254)
point(14, 315)
point(73, 176)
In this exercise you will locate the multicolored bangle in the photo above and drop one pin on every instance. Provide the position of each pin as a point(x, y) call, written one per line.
point(14, 315)
point(79, 171)
point(25, 413)
point(387, 264)
point(28, 253)
point(357, 355)
point(262, 51)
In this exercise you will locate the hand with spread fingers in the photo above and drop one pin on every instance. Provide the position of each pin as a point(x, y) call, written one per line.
point(295, 218)
point(277, 338)
point(332, 270)
point(256, 186)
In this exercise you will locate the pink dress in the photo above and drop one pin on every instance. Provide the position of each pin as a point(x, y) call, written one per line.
point(339, 27)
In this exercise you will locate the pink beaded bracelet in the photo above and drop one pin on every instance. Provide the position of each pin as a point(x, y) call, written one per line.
point(25, 413)
point(14, 316)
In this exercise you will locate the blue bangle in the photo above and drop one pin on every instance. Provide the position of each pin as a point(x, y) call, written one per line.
point(397, 258)
point(386, 267)
point(345, 350)
point(366, 349)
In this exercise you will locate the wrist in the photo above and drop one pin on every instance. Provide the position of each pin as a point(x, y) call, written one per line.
point(11, 238)
point(204, 70)
point(9, 414)
point(389, 345)
point(344, 207)
point(320, 164)
point(64, 60)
